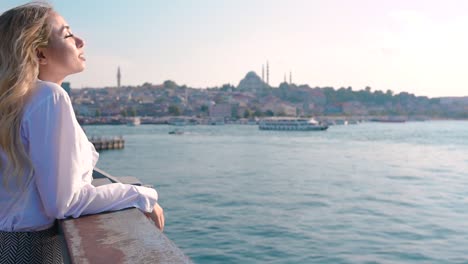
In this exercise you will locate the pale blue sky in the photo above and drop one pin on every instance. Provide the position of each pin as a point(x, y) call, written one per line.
point(419, 46)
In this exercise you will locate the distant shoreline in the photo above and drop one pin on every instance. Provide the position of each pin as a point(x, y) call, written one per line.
point(119, 120)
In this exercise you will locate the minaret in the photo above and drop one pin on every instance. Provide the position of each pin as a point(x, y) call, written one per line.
point(290, 77)
point(285, 77)
point(268, 74)
point(118, 77)
point(263, 73)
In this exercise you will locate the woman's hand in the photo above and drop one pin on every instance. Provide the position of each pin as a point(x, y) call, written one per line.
point(157, 215)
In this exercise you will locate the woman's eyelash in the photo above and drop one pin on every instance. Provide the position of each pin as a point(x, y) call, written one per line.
point(69, 35)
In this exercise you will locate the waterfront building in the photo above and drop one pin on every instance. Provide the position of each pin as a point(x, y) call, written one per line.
point(220, 111)
point(354, 108)
point(281, 109)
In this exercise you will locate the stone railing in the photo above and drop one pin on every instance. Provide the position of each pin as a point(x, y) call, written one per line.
point(125, 236)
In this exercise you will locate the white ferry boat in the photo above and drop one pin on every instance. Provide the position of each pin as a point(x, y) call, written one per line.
point(291, 124)
point(134, 121)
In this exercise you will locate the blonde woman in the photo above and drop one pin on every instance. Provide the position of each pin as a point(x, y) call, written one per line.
point(46, 160)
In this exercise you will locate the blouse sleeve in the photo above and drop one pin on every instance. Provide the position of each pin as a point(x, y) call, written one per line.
point(62, 158)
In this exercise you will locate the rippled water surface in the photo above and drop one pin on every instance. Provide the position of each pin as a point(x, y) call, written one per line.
point(367, 193)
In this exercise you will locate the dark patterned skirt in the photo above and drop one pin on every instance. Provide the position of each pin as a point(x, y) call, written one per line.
point(31, 247)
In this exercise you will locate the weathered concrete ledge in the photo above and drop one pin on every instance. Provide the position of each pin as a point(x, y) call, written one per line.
point(125, 236)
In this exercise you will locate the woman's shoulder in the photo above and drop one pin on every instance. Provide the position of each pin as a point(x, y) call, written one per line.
point(45, 89)
point(43, 93)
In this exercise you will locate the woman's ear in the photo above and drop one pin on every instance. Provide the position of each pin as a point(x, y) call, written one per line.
point(40, 56)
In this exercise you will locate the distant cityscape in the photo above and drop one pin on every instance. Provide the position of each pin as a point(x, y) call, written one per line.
point(254, 98)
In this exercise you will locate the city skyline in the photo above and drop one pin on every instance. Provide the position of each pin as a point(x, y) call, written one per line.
point(415, 46)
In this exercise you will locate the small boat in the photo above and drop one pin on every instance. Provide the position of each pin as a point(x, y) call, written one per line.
point(134, 121)
point(217, 122)
point(176, 132)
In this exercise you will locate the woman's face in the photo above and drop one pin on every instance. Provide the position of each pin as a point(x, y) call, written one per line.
point(63, 55)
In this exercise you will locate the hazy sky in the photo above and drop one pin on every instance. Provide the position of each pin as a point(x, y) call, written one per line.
point(419, 46)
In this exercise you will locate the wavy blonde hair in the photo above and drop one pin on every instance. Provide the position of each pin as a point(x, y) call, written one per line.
point(23, 30)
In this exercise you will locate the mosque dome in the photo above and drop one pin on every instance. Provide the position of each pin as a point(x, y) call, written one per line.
point(251, 82)
point(251, 74)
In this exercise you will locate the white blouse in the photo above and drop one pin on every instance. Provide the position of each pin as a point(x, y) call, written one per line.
point(63, 160)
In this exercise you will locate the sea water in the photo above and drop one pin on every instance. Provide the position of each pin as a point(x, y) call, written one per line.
point(366, 193)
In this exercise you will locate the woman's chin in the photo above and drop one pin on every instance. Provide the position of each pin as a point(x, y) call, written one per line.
point(81, 68)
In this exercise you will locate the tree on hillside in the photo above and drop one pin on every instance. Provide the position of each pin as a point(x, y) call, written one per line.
point(170, 84)
point(133, 112)
point(269, 113)
point(220, 98)
point(174, 110)
point(345, 95)
point(247, 113)
point(227, 87)
point(330, 95)
point(204, 108)
point(258, 113)
point(235, 112)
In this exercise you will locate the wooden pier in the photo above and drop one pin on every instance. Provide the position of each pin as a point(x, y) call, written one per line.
point(101, 143)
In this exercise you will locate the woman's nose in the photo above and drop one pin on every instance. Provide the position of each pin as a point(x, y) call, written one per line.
point(79, 42)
